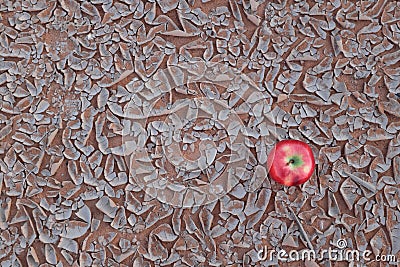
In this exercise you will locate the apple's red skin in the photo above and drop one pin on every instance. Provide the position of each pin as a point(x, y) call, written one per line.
point(287, 173)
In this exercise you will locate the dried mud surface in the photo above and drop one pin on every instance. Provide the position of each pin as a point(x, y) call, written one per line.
point(74, 75)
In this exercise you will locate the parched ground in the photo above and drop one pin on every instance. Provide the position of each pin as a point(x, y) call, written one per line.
point(136, 133)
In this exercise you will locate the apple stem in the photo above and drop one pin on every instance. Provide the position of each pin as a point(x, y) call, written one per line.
point(291, 161)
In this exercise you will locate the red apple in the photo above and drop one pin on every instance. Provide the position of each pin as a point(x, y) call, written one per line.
point(291, 162)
